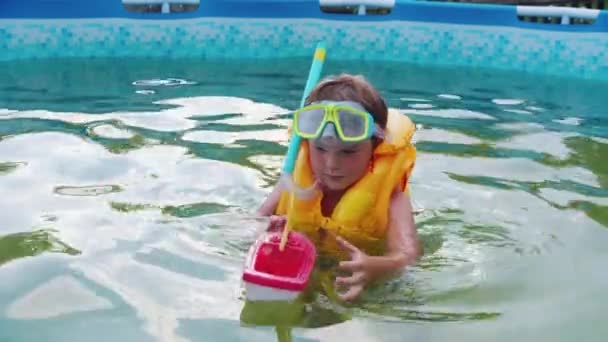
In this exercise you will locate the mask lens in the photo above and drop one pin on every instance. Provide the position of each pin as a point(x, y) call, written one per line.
point(309, 121)
point(353, 124)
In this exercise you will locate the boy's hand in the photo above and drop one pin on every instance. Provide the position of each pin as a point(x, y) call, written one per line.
point(276, 224)
point(358, 266)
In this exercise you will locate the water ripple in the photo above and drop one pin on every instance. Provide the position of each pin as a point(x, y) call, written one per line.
point(90, 190)
point(150, 187)
point(167, 82)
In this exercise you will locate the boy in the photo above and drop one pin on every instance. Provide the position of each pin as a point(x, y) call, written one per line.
point(361, 179)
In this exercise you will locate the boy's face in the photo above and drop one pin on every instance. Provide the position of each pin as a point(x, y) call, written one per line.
point(337, 165)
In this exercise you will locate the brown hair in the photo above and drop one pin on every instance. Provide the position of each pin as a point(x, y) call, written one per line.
point(356, 88)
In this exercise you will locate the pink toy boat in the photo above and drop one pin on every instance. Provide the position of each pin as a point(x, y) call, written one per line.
point(274, 275)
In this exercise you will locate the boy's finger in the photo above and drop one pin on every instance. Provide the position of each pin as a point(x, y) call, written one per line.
point(352, 266)
point(352, 293)
point(276, 223)
point(349, 281)
point(347, 246)
point(272, 226)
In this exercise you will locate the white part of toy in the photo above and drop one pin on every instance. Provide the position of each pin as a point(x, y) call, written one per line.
point(256, 292)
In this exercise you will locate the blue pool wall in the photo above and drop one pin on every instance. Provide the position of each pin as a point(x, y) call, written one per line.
point(430, 33)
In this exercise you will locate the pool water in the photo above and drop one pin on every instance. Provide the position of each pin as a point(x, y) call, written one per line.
point(128, 186)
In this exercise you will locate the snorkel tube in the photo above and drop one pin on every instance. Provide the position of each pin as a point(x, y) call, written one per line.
point(294, 144)
point(313, 78)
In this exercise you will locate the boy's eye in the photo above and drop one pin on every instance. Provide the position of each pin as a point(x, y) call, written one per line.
point(349, 151)
point(319, 148)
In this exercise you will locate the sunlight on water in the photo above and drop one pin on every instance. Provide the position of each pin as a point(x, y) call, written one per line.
point(128, 209)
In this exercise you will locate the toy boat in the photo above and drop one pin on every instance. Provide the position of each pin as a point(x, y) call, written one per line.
point(272, 274)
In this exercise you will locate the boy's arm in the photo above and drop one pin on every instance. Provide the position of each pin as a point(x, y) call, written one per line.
point(403, 244)
point(403, 248)
point(270, 203)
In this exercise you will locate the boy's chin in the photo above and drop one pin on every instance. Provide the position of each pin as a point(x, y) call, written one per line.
point(335, 186)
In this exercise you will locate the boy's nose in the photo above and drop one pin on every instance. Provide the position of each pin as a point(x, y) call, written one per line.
point(332, 161)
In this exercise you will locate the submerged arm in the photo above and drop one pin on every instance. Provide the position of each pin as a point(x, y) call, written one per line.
point(403, 248)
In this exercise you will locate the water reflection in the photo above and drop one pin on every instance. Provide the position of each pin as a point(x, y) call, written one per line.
point(151, 198)
point(7, 167)
point(27, 244)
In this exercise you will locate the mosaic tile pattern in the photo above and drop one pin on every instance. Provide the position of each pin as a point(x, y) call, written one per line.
point(557, 53)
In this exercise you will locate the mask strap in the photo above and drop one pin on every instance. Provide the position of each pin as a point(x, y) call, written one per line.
point(380, 133)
